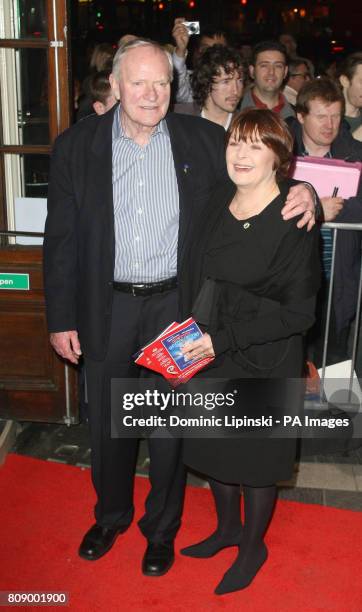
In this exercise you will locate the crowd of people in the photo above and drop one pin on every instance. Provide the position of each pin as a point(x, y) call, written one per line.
point(147, 218)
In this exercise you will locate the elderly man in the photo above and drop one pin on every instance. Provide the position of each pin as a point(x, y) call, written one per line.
point(217, 86)
point(124, 188)
point(268, 69)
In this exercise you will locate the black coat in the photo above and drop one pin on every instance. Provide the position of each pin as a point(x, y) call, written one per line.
point(275, 282)
point(263, 277)
point(79, 247)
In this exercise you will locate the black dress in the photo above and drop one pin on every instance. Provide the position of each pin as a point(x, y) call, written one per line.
point(252, 285)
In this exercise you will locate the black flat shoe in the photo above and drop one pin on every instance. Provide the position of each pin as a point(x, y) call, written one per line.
point(211, 546)
point(158, 558)
point(238, 576)
point(98, 541)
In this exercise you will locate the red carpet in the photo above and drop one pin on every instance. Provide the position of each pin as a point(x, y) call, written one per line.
point(314, 552)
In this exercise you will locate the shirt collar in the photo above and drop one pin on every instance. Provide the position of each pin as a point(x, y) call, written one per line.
point(228, 121)
point(290, 89)
point(118, 131)
point(259, 104)
point(304, 153)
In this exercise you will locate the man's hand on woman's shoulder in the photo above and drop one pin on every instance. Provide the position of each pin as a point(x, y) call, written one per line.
point(300, 201)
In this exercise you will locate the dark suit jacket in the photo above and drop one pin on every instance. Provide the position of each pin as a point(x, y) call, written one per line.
point(187, 108)
point(79, 245)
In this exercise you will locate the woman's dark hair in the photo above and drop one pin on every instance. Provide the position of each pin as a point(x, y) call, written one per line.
point(208, 67)
point(268, 127)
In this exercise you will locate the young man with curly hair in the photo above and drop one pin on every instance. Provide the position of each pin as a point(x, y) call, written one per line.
point(217, 85)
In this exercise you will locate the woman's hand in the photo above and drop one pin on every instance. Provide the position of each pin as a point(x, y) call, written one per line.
point(199, 348)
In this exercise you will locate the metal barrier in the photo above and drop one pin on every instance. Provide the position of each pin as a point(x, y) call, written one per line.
point(345, 227)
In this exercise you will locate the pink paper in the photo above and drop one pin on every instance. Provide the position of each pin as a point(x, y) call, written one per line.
point(326, 174)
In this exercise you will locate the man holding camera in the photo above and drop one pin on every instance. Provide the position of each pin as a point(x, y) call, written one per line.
point(181, 33)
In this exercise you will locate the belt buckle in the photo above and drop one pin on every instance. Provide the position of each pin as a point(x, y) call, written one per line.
point(136, 286)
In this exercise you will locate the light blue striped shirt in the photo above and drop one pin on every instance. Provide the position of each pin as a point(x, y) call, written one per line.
point(146, 206)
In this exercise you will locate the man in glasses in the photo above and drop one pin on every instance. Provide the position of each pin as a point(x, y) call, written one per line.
point(268, 69)
point(298, 74)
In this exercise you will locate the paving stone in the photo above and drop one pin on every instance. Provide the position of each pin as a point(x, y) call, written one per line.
point(326, 476)
point(357, 471)
point(346, 500)
point(299, 494)
point(348, 457)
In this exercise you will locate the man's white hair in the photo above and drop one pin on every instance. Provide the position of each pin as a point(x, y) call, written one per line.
point(133, 44)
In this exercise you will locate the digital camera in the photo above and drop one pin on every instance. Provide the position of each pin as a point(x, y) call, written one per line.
point(193, 27)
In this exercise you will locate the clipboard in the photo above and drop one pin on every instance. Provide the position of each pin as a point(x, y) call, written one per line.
point(327, 174)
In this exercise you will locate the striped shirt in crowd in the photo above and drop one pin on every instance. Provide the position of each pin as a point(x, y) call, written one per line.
point(327, 238)
point(146, 206)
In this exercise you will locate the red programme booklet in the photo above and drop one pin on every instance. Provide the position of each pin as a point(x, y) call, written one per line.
point(164, 354)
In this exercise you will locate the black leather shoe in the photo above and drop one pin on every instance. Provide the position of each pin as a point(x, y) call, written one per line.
point(98, 541)
point(158, 558)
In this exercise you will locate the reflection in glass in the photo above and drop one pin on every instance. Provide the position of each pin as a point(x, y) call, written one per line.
point(26, 177)
point(30, 174)
point(27, 117)
point(31, 18)
point(36, 173)
point(33, 108)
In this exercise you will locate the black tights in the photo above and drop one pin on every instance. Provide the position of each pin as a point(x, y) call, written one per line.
point(258, 508)
point(227, 504)
point(258, 504)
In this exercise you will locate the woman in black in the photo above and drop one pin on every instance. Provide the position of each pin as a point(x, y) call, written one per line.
point(250, 280)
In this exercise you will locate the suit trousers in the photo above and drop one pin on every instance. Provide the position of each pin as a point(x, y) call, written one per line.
point(135, 321)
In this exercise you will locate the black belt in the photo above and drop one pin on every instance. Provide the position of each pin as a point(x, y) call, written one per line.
point(143, 289)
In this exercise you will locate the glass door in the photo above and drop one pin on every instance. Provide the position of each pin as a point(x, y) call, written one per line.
point(34, 99)
point(35, 384)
